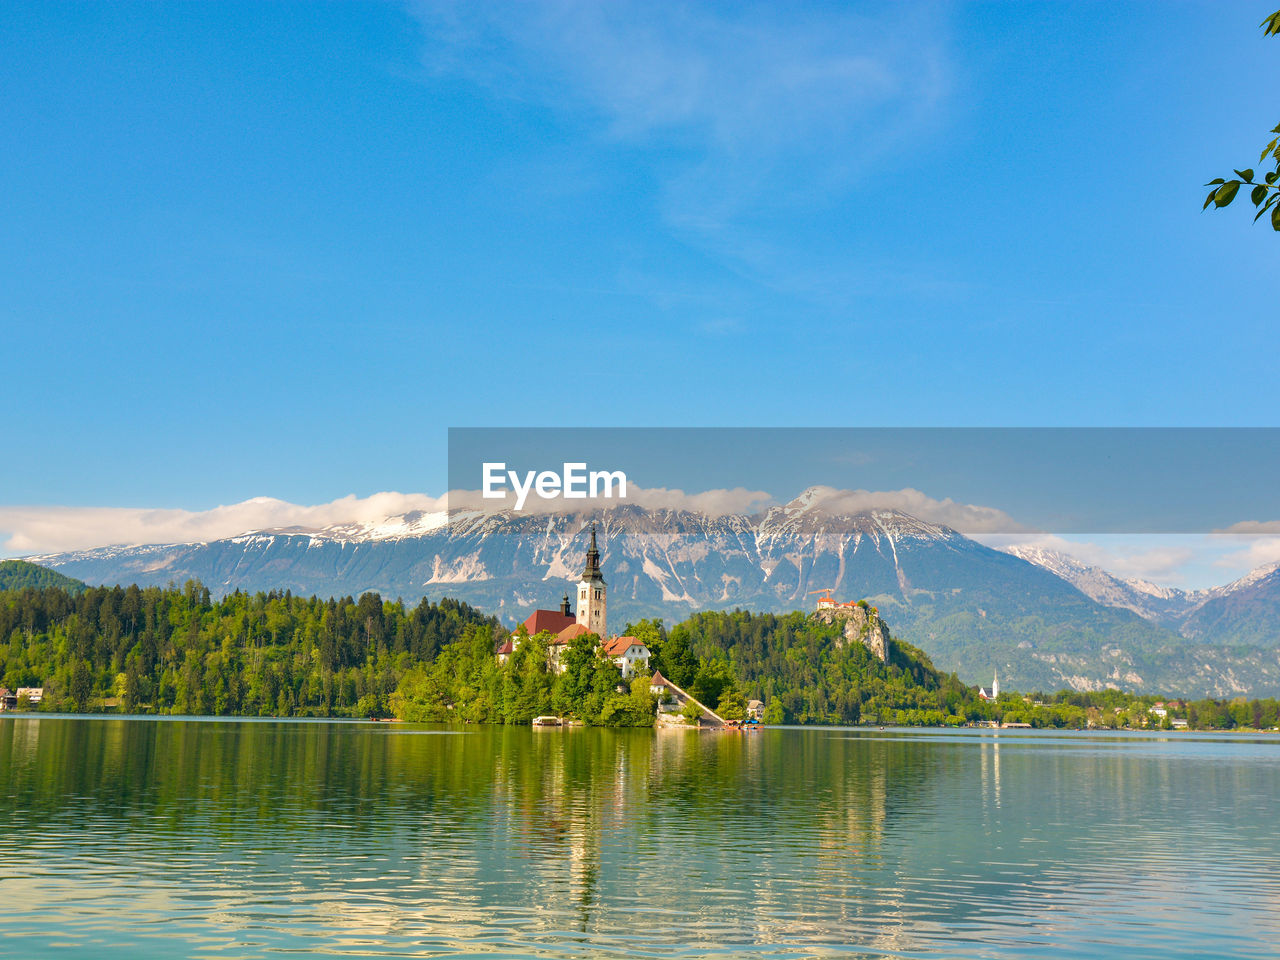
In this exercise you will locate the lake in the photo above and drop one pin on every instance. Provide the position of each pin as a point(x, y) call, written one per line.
point(134, 837)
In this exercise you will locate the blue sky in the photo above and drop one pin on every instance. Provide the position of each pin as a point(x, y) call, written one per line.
point(278, 249)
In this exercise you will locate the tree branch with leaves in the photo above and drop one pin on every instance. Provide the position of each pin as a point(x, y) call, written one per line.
point(1265, 193)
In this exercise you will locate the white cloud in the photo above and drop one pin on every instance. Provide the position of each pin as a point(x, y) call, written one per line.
point(714, 503)
point(54, 529)
point(1253, 528)
point(748, 78)
point(37, 529)
point(967, 518)
point(1255, 548)
point(1151, 557)
point(28, 530)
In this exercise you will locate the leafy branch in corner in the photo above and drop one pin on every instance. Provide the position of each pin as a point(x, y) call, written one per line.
point(1265, 194)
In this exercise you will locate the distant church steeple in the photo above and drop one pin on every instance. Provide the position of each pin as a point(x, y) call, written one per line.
point(591, 591)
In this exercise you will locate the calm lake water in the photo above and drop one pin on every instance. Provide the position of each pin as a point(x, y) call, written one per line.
point(166, 838)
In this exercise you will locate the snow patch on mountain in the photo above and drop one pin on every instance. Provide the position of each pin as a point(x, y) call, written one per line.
point(1164, 605)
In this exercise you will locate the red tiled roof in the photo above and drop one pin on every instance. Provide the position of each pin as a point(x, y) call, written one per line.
point(506, 649)
point(618, 645)
point(658, 680)
point(569, 632)
point(553, 621)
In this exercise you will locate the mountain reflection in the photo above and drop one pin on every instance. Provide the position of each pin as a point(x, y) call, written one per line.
point(336, 838)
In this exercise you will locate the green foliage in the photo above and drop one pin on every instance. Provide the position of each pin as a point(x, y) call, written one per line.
point(20, 575)
point(176, 651)
point(466, 682)
point(691, 712)
point(806, 672)
point(634, 710)
point(732, 705)
point(1116, 709)
point(1265, 193)
point(669, 654)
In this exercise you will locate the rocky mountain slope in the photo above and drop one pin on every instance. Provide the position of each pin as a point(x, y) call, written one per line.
point(972, 608)
point(1243, 612)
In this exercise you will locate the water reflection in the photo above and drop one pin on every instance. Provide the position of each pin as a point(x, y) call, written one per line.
point(133, 837)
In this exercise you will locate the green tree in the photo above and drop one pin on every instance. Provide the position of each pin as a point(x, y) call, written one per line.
point(80, 685)
point(732, 705)
point(675, 659)
point(574, 684)
point(1264, 194)
point(691, 713)
point(713, 678)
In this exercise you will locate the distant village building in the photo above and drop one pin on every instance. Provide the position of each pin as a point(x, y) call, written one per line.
point(662, 688)
point(630, 654)
point(755, 709)
point(9, 699)
point(995, 688)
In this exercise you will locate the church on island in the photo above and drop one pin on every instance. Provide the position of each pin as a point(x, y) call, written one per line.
point(628, 653)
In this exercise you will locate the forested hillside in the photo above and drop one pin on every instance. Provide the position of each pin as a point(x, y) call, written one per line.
point(19, 574)
point(805, 670)
point(177, 651)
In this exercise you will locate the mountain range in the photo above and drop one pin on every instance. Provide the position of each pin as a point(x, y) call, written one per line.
point(1242, 612)
point(1042, 621)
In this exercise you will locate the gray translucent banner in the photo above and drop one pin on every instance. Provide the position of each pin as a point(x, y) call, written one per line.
point(974, 480)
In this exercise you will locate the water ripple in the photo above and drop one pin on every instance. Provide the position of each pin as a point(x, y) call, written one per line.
point(135, 839)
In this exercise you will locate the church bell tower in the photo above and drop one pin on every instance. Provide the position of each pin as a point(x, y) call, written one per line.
point(591, 591)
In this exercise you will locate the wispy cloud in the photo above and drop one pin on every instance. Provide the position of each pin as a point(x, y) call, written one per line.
point(1142, 557)
point(34, 530)
point(55, 529)
point(967, 518)
point(742, 111)
point(1256, 543)
point(713, 503)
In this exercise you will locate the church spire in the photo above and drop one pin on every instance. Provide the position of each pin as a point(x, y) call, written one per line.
point(592, 570)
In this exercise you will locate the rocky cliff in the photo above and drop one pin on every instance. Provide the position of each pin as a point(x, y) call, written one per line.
point(862, 624)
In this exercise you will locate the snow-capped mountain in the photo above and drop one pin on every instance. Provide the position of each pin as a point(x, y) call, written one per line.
point(1243, 611)
point(1165, 605)
point(972, 608)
